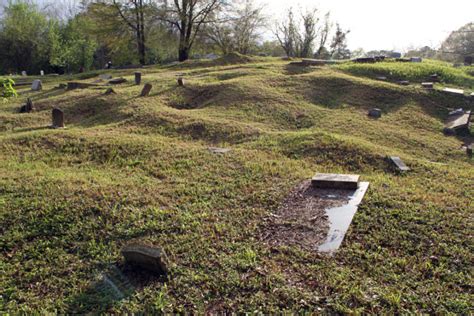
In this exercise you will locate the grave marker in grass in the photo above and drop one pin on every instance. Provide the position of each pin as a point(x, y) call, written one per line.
point(217, 150)
point(335, 181)
point(58, 118)
point(28, 107)
point(146, 90)
point(145, 257)
point(118, 81)
point(375, 113)
point(458, 123)
point(456, 92)
point(427, 85)
point(36, 85)
point(181, 82)
point(399, 164)
point(138, 78)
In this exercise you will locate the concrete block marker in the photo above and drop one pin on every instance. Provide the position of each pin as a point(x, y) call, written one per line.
point(452, 91)
point(58, 118)
point(404, 82)
point(375, 113)
point(144, 257)
point(399, 164)
point(146, 90)
point(427, 85)
point(458, 123)
point(138, 78)
point(37, 85)
point(28, 107)
point(217, 150)
point(335, 181)
point(118, 81)
point(435, 78)
point(181, 82)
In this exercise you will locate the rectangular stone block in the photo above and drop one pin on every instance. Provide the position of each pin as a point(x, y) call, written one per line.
point(335, 181)
point(454, 91)
point(399, 164)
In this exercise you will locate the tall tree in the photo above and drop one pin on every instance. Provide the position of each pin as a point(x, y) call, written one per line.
point(339, 44)
point(188, 17)
point(458, 45)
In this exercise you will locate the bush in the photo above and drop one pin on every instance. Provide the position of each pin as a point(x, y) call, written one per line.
point(6, 88)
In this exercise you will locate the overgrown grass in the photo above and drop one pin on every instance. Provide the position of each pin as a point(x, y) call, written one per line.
point(137, 169)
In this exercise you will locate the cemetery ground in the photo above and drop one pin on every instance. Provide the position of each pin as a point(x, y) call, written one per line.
point(138, 169)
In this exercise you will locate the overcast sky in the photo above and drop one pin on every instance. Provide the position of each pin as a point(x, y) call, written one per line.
point(385, 24)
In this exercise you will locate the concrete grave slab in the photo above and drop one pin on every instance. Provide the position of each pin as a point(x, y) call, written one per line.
point(427, 85)
point(399, 164)
point(145, 257)
point(404, 82)
point(459, 122)
point(335, 181)
point(452, 91)
point(217, 150)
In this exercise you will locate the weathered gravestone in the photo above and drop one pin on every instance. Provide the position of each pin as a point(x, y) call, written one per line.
point(404, 82)
point(145, 257)
point(434, 78)
point(58, 118)
point(105, 76)
point(181, 82)
point(217, 150)
point(23, 73)
point(41, 73)
point(28, 107)
point(146, 90)
point(109, 91)
point(399, 164)
point(375, 113)
point(37, 85)
point(118, 81)
point(336, 181)
point(427, 85)
point(457, 92)
point(458, 123)
point(138, 78)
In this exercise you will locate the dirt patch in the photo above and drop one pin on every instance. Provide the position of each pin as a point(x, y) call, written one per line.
point(301, 220)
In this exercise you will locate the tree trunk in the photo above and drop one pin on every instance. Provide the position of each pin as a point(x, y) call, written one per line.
point(183, 53)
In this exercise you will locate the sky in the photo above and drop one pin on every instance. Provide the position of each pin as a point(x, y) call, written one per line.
point(382, 24)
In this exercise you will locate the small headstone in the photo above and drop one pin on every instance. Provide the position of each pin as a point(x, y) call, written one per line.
point(109, 91)
point(41, 73)
point(146, 90)
point(458, 123)
point(37, 86)
point(336, 181)
point(118, 81)
point(452, 91)
point(217, 150)
point(181, 82)
point(434, 78)
point(58, 118)
point(138, 78)
point(416, 59)
point(145, 257)
point(23, 73)
point(105, 76)
point(404, 82)
point(427, 85)
point(375, 113)
point(382, 78)
point(399, 164)
point(28, 107)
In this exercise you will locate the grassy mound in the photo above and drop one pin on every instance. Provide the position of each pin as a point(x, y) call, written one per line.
point(138, 169)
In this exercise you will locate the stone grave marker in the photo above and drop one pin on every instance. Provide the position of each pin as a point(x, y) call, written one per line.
point(118, 81)
point(427, 85)
point(28, 107)
point(458, 123)
point(58, 118)
point(382, 78)
point(37, 85)
point(146, 257)
point(105, 76)
point(375, 113)
point(146, 90)
point(335, 181)
point(452, 91)
point(399, 164)
point(24, 74)
point(71, 85)
point(217, 150)
point(404, 82)
point(435, 78)
point(181, 82)
point(138, 78)
point(109, 91)
point(41, 73)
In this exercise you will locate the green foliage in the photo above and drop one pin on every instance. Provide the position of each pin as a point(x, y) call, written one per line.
point(6, 88)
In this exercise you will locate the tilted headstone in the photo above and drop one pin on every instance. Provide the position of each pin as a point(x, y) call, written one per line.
point(458, 123)
point(37, 85)
point(180, 82)
point(399, 164)
point(105, 76)
point(336, 181)
point(375, 113)
point(145, 257)
point(146, 90)
point(138, 78)
point(427, 85)
point(58, 118)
